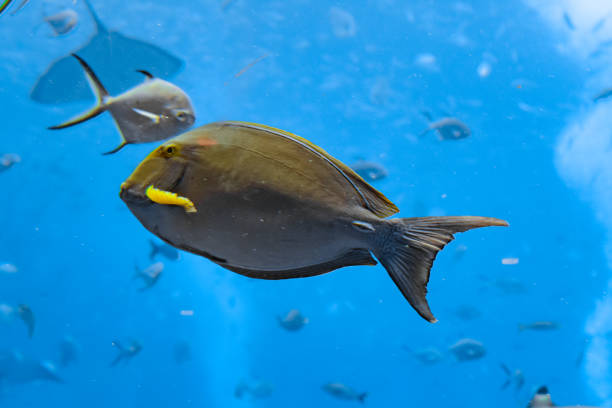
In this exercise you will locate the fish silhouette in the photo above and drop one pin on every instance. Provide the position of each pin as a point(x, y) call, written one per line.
point(118, 58)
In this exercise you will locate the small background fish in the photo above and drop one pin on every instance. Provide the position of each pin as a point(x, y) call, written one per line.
point(370, 171)
point(62, 22)
point(468, 349)
point(8, 160)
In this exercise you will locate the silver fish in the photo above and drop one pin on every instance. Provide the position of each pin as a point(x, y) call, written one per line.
point(568, 21)
point(467, 312)
point(9, 313)
point(241, 389)
point(126, 354)
point(167, 251)
point(27, 316)
point(117, 57)
point(598, 25)
point(510, 286)
point(152, 111)
point(16, 368)
point(515, 377)
point(294, 320)
point(539, 326)
point(8, 268)
point(150, 275)
point(506, 284)
point(542, 399)
point(344, 392)
point(68, 351)
point(256, 389)
point(8, 160)
point(468, 349)
point(603, 94)
point(182, 352)
point(369, 171)
point(449, 129)
point(428, 355)
point(63, 22)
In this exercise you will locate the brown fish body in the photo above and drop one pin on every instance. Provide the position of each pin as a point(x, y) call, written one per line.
point(271, 205)
point(307, 216)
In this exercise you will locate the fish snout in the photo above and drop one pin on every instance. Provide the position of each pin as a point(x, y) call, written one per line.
point(132, 194)
point(190, 120)
point(184, 116)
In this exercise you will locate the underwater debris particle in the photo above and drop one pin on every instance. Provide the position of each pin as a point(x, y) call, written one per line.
point(484, 69)
point(251, 65)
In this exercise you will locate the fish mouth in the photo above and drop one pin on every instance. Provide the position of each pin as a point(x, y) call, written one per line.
point(136, 194)
point(133, 195)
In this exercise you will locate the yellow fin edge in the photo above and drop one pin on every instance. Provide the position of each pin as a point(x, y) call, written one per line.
point(168, 198)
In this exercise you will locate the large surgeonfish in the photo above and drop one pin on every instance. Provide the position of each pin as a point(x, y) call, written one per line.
point(268, 204)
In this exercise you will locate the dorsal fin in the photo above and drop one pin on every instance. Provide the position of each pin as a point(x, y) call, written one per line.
point(373, 199)
point(145, 73)
point(94, 82)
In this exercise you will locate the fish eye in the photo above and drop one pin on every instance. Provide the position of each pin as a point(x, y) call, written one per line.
point(181, 115)
point(170, 150)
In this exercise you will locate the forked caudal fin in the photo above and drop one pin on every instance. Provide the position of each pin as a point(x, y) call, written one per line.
point(97, 88)
point(411, 247)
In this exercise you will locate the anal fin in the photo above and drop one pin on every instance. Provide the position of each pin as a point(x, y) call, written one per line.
point(353, 257)
point(116, 149)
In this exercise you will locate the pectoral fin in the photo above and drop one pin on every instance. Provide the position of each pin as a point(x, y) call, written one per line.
point(145, 73)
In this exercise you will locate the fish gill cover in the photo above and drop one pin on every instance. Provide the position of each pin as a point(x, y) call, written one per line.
point(363, 80)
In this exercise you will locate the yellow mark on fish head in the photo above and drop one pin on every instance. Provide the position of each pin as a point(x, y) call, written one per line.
point(168, 198)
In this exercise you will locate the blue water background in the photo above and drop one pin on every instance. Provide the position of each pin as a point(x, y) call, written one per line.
point(76, 244)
